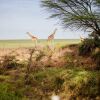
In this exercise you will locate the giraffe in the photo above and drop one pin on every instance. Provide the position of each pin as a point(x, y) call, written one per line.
point(51, 37)
point(33, 37)
point(82, 38)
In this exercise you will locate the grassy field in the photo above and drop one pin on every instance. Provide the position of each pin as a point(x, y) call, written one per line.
point(69, 84)
point(29, 43)
point(46, 72)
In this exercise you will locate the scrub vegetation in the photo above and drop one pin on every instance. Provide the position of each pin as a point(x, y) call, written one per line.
point(36, 73)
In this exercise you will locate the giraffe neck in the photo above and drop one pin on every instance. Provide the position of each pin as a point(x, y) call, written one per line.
point(33, 37)
point(54, 32)
point(30, 34)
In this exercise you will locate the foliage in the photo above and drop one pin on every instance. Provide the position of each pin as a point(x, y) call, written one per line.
point(5, 94)
point(9, 61)
point(87, 46)
point(30, 81)
point(96, 57)
point(81, 14)
point(67, 83)
point(35, 57)
point(91, 47)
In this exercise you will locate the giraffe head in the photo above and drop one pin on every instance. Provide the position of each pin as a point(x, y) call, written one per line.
point(28, 33)
point(55, 29)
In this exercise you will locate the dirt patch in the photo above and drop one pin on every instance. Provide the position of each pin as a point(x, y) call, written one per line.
point(20, 53)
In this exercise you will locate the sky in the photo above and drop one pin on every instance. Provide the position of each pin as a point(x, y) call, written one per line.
point(20, 16)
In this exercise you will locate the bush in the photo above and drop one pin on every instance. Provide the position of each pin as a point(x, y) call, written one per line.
point(91, 48)
point(5, 94)
point(96, 57)
point(9, 61)
point(87, 46)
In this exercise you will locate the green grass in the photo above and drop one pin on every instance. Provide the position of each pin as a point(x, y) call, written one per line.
point(68, 82)
point(73, 83)
point(29, 43)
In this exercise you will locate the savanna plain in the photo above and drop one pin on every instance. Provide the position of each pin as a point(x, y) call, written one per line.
point(31, 71)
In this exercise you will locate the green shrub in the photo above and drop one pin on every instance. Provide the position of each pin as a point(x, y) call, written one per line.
point(87, 46)
point(91, 48)
point(96, 58)
point(6, 94)
point(58, 83)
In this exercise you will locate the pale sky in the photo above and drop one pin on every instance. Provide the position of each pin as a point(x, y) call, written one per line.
point(20, 16)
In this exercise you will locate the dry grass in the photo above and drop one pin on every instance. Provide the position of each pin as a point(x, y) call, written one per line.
point(53, 70)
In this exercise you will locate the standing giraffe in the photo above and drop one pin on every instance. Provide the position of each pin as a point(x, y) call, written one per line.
point(33, 37)
point(82, 38)
point(51, 37)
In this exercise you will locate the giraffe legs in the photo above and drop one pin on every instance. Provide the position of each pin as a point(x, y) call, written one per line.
point(35, 43)
point(51, 44)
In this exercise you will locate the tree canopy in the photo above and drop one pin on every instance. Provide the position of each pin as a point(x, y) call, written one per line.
point(80, 14)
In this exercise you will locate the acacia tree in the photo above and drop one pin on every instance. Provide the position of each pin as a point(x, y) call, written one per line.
point(80, 14)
